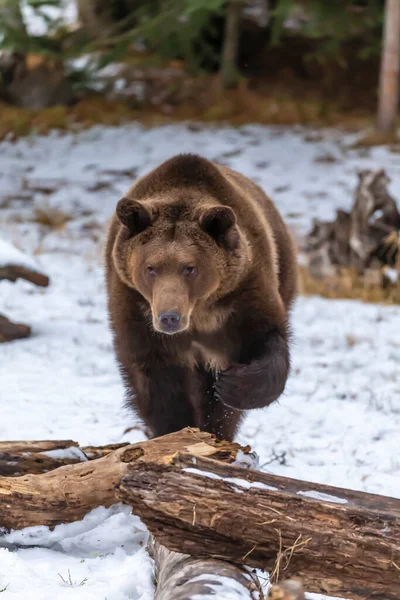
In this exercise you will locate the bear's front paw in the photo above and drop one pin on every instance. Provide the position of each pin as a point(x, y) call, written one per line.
point(240, 387)
point(249, 386)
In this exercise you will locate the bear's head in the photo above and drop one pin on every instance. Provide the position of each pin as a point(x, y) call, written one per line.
point(179, 246)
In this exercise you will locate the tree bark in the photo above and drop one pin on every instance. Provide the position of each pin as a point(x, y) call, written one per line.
point(66, 494)
point(21, 458)
point(338, 542)
point(181, 577)
point(389, 73)
point(229, 71)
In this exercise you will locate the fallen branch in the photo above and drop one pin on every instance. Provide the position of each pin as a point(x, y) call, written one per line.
point(14, 265)
point(20, 458)
point(14, 272)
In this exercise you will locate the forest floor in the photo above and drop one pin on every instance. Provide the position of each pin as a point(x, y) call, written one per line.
point(339, 419)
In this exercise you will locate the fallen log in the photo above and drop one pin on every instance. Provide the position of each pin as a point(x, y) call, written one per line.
point(338, 542)
point(182, 577)
point(66, 494)
point(193, 497)
point(20, 458)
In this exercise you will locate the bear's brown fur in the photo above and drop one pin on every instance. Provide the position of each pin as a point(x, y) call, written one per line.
point(204, 244)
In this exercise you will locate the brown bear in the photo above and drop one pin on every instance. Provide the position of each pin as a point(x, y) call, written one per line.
point(201, 274)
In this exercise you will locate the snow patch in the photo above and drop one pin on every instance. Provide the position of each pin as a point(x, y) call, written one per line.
point(392, 274)
point(223, 588)
point(247, 461)
point(104, 556)
point(38, 22)
point(66, 453)
point(11, 256)
point(243, 483)
point(323, 497)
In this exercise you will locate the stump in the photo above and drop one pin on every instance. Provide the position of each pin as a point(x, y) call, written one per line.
point(364, 238)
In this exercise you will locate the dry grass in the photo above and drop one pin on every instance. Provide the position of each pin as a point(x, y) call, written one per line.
point(347, 284)
point(199, 99)
point(377, 138)
point(285, 555)
point(51, 216)
point(16, 122)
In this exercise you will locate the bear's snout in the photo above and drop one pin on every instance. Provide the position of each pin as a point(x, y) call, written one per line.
point(169, 321)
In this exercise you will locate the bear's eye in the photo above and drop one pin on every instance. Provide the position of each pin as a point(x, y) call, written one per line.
point(151, 271)
point(189, 270)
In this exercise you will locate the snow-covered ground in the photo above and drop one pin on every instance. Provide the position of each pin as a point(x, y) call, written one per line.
point(339, 419)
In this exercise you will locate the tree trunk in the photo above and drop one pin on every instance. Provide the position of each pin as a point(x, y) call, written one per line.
point(338, 542)
point(66, 494)
point(229, 71)
point(389, 73)
point(11, 16)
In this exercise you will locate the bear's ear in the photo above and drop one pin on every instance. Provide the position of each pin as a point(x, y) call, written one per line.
point(220, 223)
point(133, 215)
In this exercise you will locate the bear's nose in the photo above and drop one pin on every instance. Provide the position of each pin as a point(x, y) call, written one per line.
point(169, 320)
